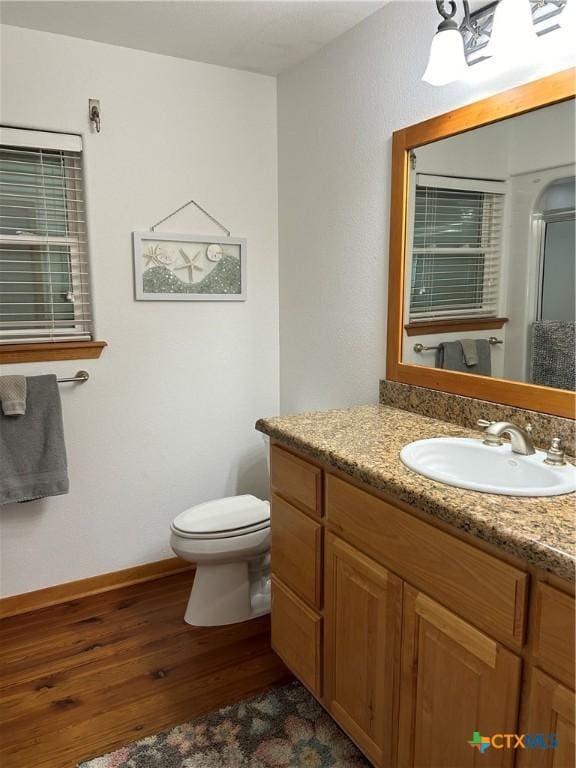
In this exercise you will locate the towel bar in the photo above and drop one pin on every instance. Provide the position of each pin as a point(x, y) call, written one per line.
point(80, 377)
point(421, 348)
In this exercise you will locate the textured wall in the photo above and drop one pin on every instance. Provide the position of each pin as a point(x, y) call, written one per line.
point(336, 115)
point(166, 420)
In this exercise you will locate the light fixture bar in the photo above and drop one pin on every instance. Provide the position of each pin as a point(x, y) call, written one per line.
point(476, 27)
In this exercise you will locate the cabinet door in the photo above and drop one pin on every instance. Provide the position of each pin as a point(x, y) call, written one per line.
point(455, 681)
point(549, 710)
point(554, 632)
point(362, 623)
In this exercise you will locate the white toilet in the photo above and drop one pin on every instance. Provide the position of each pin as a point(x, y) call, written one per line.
point(229, 541)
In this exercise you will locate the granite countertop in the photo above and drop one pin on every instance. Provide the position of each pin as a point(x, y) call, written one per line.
point(365, 442)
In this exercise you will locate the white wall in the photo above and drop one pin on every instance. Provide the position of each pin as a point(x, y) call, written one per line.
point(543, 139)
point(336, 115)
point(480, 154)
point(167, 417)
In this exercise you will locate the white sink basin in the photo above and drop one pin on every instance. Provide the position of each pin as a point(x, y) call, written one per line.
point(467, 463)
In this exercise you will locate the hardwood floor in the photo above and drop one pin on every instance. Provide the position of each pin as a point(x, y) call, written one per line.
point(87, 676)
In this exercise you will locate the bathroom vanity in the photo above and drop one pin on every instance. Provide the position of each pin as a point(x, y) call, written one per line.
point(417, 613)
point(436, 624)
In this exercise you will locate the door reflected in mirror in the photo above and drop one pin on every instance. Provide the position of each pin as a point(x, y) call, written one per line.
point(490, 251)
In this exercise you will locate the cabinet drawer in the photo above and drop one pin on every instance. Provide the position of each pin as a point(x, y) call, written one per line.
point(296, 480)
point(554, 631)
point(296, 550)
point(479, 587)
point(296, 636)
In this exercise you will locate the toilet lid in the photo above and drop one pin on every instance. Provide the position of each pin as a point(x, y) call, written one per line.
point(240, 514)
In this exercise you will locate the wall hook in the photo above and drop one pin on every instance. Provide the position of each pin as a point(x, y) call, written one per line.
point(94, 113)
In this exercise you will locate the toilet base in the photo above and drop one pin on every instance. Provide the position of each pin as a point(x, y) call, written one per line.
point(229, 593)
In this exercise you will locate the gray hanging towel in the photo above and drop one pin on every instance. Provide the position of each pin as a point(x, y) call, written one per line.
point(450, 356)
point(553, 362)
point(13, 395)
point(32, 451)
point(470, 350)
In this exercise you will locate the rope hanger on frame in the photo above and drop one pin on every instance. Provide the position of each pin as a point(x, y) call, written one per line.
point(200, 208)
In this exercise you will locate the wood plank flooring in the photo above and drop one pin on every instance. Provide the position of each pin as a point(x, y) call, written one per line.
point(87, 676)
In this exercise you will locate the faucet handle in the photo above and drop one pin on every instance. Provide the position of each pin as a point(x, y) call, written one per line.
point(491, 440)
point(555, 454)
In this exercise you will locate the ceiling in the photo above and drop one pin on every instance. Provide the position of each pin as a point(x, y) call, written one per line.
point(259, 36)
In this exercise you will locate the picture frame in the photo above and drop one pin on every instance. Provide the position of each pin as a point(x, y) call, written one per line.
point(188, 267)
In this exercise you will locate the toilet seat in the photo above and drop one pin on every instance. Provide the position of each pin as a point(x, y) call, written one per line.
point(223, 518)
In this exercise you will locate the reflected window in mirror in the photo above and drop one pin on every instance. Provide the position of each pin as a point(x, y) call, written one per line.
point(557, 268)
point(456, 249)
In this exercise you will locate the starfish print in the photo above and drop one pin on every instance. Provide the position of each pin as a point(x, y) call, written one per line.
point(157, 255)
point(149, 256)
point(190, 266)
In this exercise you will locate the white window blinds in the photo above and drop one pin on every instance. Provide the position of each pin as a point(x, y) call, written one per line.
point(456, 248)
point(44, 280)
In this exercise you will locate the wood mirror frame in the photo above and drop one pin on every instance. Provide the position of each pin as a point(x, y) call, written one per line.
point(525, 98)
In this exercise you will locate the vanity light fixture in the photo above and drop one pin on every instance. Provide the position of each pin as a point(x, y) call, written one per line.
point(513, 32)
point(447, 61)
point(505, 30)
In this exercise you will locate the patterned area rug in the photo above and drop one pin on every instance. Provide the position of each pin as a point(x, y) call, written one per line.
point(284, 728)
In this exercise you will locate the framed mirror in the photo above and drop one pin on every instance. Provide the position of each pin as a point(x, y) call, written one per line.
point(481, 297)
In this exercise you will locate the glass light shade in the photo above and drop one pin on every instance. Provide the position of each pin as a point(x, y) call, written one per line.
point(567, 18)
point(447, 62)
point(513, 35)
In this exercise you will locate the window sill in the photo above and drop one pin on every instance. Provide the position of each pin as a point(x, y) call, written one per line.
point(447, 326)
point(57, 350)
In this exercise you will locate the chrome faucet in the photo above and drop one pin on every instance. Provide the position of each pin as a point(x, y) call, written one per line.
point(519, 438)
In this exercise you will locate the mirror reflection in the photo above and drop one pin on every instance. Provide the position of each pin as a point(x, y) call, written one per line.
point(490, 261)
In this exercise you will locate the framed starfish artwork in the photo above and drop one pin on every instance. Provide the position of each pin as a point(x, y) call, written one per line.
point(171, 267)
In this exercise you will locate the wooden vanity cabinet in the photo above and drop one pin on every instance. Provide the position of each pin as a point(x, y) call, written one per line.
point(411, 637)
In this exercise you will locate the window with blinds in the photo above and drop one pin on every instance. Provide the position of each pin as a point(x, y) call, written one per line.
point(456, 249)
point(44, 280)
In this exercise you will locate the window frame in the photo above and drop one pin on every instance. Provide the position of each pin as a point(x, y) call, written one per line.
point(37, 350)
